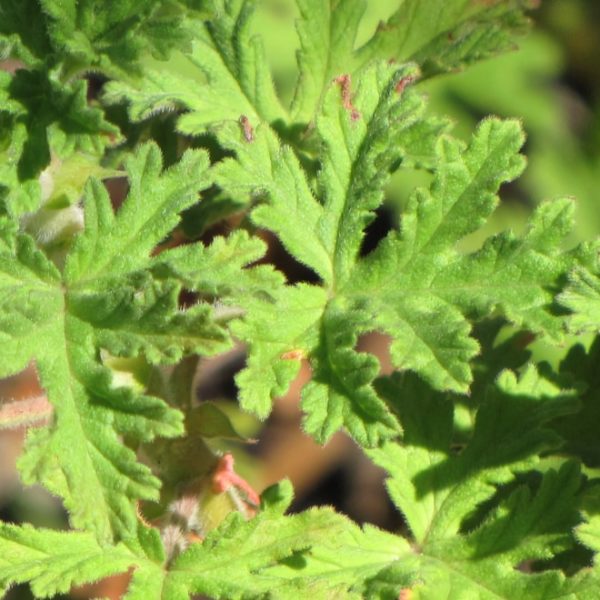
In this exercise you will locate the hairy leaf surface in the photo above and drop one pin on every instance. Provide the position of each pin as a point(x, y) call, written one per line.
point(415, 286)
point(469, 534)
point(104, 301)
point(103, 36)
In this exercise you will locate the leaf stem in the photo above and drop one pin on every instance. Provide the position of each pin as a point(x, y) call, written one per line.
point(35, 411)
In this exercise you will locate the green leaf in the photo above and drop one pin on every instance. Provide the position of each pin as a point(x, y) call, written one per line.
point(230, 60)
point(141, 316)
point(328, 241)
point(415, 286)
point(483, 564)
point(324, 568)
point(340, 393)
point(230, 561)
point(327, 32)
point(266, 168)
point(461, 33)
point(469, 533)
point(54, 561)
point(114, 244)
point(221, 269)
point(242, 558)
point(362, 145)
point(580, 430)
point(80, 457)
point(105, 301)
point(106, 36)
point(93, 298)
point(510, 430)
point(29, 302)
point(276, 345)
point(421, 289)
point(588, 533)
point(582, 294)
point(58, 119)
point(23, 31)
point(231, 77)
point(517, 277)
point(48, 127)
point(209, 421)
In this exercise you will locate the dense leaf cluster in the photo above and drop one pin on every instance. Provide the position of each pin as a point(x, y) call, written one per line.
point(490, 458)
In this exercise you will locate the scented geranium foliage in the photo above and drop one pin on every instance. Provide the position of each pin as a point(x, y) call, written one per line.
point(108, 288)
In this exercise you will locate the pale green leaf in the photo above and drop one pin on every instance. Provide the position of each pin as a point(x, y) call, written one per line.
point(462, 32)
point(276, 346)
point(327, 32)
point(231, 76)
point(436, 490)
point(116, 244)
point(340, 394)
point(462, 543)
point(107, 303)
point(54, 561)
point(220, 269)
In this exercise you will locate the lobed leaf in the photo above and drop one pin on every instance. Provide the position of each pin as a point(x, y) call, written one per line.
point(408, 281)
point(581, 295)
point(119, 244)
point(463, 32)
point(416, 285)
point(110, 37)
point(221, 269)
point(470, 534)
point(104, 301)
point(231, 77)
point(276, 347)
point(340, 393)
point(54, 561)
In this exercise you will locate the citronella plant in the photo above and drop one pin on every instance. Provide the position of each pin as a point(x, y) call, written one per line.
point(490, 458)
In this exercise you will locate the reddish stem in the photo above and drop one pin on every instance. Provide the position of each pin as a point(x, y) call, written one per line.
point(345, 82)
point(404, 81)
point(225, 477)
point(30, 411)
